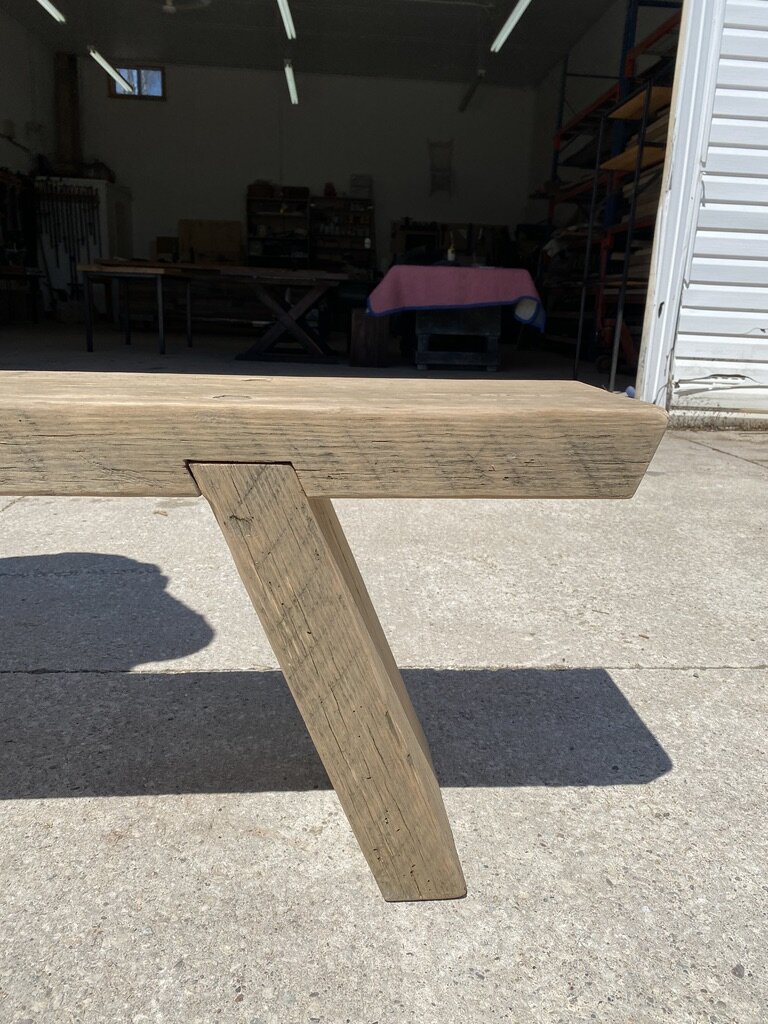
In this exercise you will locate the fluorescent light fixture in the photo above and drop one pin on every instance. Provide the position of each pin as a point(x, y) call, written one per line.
point(53, 11)
point(112, 72)
point(517, 12)
point(291, 80)
point(285, 11)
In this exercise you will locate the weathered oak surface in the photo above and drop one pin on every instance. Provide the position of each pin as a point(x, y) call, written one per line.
point(303, 582)
point(134, 434)
point(268, 453)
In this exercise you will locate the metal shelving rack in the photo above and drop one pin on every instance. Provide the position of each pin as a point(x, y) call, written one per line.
point(597, 139)
point(278, 230)
point(627, 169)
point(343, 233)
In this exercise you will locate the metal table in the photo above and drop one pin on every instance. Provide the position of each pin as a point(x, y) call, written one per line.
point(124, 273)
point(484, 323)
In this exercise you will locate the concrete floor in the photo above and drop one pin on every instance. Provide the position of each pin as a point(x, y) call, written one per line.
point(57, 346)
point(592, 679)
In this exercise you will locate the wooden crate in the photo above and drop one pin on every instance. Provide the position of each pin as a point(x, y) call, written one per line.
point(369, 341)
point(210, 241)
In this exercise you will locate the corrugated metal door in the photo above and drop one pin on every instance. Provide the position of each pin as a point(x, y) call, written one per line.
point(721, 348)
point(705, 338)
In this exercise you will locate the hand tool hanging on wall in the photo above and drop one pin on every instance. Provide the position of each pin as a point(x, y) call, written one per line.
point(13, 235)
point(69, 226)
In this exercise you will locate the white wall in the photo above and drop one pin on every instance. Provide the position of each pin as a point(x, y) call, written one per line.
point(26, 94)
point(705, 341)
point(221, 128)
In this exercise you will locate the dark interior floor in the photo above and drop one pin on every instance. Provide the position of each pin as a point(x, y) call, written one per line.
point(55, 346)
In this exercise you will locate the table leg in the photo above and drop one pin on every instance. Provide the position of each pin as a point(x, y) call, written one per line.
point(286, 322)
point(302, 579)
point(34, 296)
point(287, 318)
point(160, 315)
point(422, 348)
point(492, 350)
point(126, 310)
point(189, 312)
point(88, 288)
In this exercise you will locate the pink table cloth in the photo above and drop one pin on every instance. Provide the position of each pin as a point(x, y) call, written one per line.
point(407, 287)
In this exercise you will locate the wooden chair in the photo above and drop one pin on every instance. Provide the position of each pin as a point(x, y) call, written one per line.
point(269, 454)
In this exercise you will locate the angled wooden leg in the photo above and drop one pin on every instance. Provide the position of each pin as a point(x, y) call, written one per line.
point(327, 521)
point(306, 588)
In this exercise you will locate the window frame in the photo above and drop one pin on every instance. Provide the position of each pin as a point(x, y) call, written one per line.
point(134, 66)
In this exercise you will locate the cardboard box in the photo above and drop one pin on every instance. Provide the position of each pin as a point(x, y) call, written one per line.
point(210, 241)
point(166, 247)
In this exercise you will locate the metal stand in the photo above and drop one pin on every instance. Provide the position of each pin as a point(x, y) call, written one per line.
point(126, 312)
point(189, 312)
point(588, 250)
point(629, 237)
point(88, 287)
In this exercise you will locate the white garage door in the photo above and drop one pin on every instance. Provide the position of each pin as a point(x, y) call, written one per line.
point(706, 333)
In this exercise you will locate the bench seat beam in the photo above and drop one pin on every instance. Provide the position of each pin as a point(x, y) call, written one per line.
point(346, 437)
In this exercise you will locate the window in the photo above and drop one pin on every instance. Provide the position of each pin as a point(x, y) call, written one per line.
point(148, 84)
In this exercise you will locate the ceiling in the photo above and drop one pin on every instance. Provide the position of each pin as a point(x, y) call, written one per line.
point(443, 40)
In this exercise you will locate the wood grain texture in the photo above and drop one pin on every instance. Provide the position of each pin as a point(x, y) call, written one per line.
point(133, 434)
point(325, 514)
point(303, 582)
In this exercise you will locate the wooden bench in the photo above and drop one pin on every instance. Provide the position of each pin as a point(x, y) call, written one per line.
point(269, 453)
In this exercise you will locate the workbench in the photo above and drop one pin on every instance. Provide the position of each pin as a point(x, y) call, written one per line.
point(457, 301)
point(274, 289)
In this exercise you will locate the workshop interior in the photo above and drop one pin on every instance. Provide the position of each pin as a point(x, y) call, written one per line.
point(445, 185)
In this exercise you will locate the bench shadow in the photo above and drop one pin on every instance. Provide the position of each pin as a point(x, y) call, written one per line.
point(104, 731)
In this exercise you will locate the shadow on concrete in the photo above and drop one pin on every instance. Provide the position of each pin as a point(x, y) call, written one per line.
point(107, 735)
point(81, 609)
point(106, 732)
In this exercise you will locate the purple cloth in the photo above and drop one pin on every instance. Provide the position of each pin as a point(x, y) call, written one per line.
point(407, 287)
